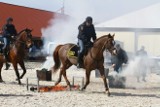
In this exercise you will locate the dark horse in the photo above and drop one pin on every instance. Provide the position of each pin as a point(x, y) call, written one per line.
point(17, 53)
point(92, 60)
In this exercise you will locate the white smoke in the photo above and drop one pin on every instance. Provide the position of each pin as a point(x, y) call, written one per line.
point(62, 30)
point(65, 30)
point(136, 67)
point(138, 71)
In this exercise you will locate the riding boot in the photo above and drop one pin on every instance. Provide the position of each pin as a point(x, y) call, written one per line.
point(79, 64)
point(6, 59)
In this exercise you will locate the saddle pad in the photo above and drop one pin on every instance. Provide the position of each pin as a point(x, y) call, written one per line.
point(73, 51)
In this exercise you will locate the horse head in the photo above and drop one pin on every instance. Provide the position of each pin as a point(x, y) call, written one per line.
point(25, 36)
point(110, 44)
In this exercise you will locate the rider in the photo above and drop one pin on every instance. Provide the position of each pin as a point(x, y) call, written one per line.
point(86, 32)
point(9, 32)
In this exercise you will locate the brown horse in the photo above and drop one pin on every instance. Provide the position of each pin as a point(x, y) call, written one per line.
point(92, 60)
point(17, 53)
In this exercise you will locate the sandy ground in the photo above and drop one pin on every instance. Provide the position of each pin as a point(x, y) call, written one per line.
point(14, 95)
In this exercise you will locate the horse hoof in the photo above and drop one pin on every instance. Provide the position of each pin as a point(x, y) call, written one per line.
point(69, 88)
point(18, 79)
point(107, 92)
point(82, 89)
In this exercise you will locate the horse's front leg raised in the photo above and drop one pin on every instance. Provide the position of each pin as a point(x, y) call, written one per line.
point(17, 73)
point(23, 68)
point(101, 70)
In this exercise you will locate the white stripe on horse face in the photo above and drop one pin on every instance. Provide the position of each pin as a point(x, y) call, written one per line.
point(113, 42)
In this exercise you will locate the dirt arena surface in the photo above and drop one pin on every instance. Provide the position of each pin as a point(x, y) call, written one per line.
point(13, 95)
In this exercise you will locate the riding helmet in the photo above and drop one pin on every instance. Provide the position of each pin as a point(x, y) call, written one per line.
point(9, 19)
point(89, 19)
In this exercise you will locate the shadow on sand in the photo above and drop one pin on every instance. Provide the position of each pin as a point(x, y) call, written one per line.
point(122, 94)
point(135, 95)
point(14, 95)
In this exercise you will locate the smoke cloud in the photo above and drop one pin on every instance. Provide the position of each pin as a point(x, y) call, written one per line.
point(138, 72)
point(62, 30)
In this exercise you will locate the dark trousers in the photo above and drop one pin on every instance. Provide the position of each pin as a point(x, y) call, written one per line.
point(81, 45)
point(6, 47)
point(118, 67)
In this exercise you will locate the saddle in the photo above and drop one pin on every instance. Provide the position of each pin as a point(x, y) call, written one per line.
point(73, 51)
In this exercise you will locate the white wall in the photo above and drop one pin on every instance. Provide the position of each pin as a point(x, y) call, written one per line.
point(151, 41)
point(127, 38)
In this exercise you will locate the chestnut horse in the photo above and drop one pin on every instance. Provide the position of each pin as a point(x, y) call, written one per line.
point(17, 53)
point(92, 60)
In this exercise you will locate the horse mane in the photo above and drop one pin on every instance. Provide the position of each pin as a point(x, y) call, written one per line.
point(21, 31)
point(109, 35)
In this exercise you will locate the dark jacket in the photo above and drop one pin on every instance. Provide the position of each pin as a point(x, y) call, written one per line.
point(120, 58)
point(86, 32)
point(9, 30)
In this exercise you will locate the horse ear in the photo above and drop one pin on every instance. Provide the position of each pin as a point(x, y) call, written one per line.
point(109, 35)
point(113, 35)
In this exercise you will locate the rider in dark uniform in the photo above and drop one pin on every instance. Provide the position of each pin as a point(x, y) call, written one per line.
point(9, 32)
point(86, 32)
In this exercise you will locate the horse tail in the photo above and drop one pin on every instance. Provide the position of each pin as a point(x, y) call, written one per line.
point(56, 59)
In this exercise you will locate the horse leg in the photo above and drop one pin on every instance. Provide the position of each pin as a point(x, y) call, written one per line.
point(65, 76)
point(17, 73)
point(23, 68)
point(60, 77)
point(88, 72)
point(1, 65)
point(101, 70)
point(66, 79)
